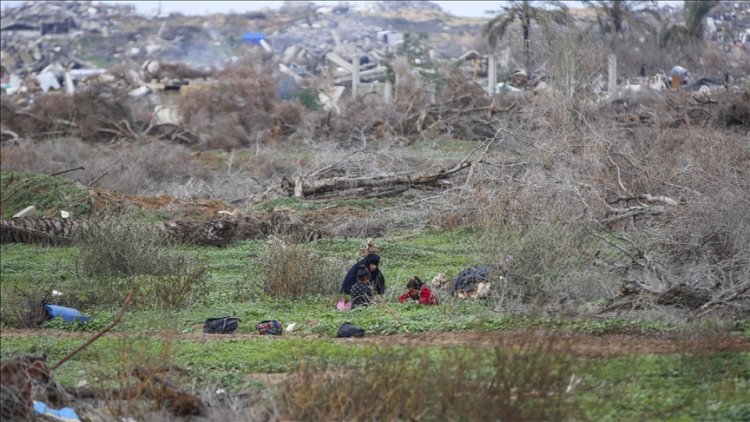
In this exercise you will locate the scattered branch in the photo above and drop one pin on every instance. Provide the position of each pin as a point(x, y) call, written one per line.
point(105, 330)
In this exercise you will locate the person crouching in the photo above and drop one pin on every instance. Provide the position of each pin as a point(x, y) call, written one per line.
point(417, 290)
point(361, 291)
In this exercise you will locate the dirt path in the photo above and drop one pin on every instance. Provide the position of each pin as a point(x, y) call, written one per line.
point(575, 344)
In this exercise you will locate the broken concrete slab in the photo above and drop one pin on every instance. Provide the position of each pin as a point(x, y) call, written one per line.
point(134, 78)
point(151, 66)
point(81, 74)
point(166, 114)
point(339, 61)
point(139, 92)
point(47, 81)
point(289, 72)
point(266, 46)
point(55, 68)
point(26, 212)
point(70, 88)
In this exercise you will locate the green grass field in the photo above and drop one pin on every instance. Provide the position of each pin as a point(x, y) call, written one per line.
point(678, 386)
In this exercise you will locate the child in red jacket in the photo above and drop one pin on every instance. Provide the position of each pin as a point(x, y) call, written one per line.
point(417, 290)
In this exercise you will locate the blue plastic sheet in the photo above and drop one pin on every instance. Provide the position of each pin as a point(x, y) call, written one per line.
point(67, 314)
point(253, 37)
point(64, 414)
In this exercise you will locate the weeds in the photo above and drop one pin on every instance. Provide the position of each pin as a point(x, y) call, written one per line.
point(115, 254)
point(244, 110)
point(543, 266)
point(23, 308)
point(500, 383)
point(292, 270)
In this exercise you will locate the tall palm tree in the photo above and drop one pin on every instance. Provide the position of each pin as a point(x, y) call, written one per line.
point(613, 14)
point(524, 12)
point(692, 30)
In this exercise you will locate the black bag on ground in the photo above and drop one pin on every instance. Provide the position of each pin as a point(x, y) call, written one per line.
point(270, 327)
point(224, 325)
point(468, 278)
point(348, 329)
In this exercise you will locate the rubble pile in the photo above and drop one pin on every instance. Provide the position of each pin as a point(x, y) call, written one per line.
point(729, 25)
point(153, 57)
point(69, 47)
point(36, 34)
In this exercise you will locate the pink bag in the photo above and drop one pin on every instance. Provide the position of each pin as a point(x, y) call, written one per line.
point(343, 305)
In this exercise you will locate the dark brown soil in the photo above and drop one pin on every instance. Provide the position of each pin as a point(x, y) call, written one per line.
point(575, 344)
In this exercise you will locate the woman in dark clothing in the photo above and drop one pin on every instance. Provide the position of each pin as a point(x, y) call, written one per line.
point(377, 281)
point(361, 291)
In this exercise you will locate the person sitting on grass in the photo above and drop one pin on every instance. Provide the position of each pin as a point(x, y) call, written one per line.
point(371, 263)
point(417, 290)
point(361, 291)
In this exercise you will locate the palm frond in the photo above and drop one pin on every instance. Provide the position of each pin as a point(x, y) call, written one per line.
point(544, 16)
point(695, 13)
point(654, 14)
point(618, 12)
point(672, 33)
point(495, 29)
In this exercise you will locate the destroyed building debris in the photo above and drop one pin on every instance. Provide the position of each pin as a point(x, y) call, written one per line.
point(42, 52)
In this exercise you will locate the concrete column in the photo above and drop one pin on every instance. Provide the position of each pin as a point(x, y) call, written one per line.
point(491, 74)
point(355, 75)
point(612, 76)
point(387, 92)
point(431, 93)
point(571, 82)
point(70, 87)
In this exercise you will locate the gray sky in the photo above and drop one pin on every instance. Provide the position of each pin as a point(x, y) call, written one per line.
point(458, 8)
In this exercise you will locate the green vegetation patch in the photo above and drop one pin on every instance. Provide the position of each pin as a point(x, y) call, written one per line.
point(48, 194)
point(688, 386)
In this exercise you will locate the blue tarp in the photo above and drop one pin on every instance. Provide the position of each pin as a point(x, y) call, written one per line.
point(64, 414)
point(253, 37)
point(67, 314)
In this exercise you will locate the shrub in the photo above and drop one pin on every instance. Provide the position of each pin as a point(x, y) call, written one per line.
point(232, 112)
point(457, 384)
point(292, 270)
point(308, 98)
point(22, 307)
point(544, 265)
point(179, 70)
point(116, 254)
point(288, 116)
point(82, 115)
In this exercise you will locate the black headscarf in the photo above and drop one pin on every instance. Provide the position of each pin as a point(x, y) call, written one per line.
point(372, 259)
point(377, 281)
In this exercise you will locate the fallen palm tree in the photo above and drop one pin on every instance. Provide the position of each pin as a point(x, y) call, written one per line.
point(217, 232)
point(62, 231)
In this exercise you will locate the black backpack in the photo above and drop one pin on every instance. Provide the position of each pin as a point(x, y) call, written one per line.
point(348, 329)
point(224, 325)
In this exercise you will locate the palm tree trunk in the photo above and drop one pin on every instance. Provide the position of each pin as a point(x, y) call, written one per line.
point(617, 18)
point(527, 47)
